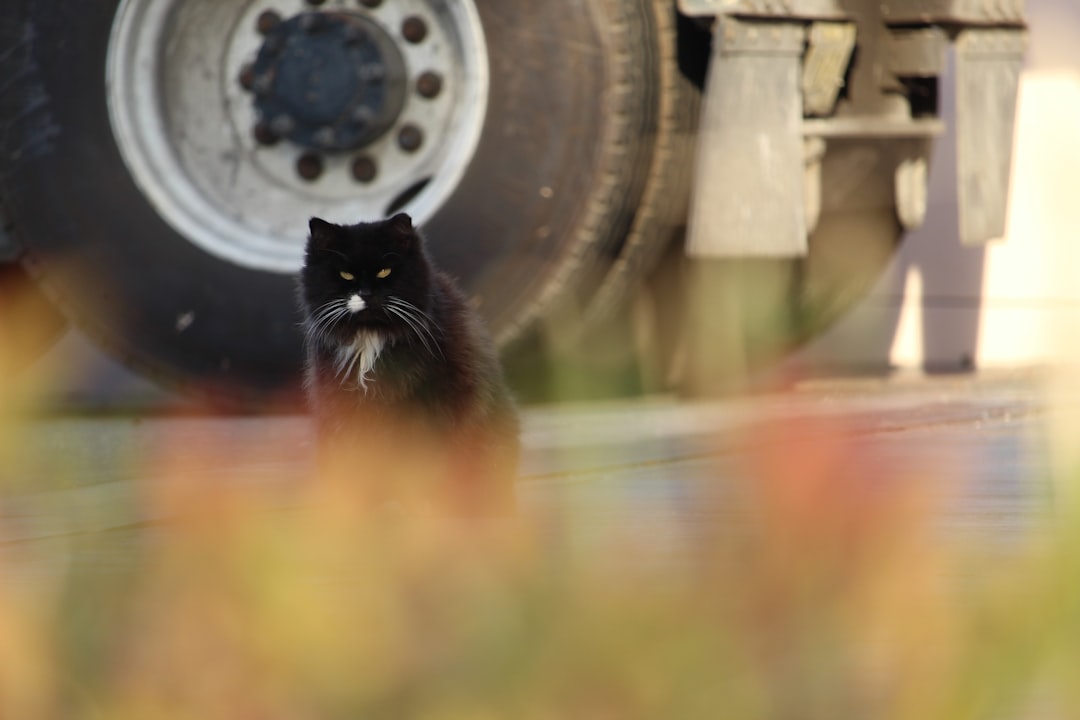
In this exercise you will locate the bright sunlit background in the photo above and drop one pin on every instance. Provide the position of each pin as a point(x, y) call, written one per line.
point(1016, 302)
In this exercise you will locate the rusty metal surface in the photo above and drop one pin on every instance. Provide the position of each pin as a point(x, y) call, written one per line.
point(828, 52)
point(804, 9)
point(991, 12)
point(978, 12)
point(917, 53)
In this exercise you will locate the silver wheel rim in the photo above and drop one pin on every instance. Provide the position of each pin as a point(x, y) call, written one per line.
point(183, 125)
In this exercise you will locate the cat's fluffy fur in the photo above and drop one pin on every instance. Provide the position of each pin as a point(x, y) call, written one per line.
point(402, 379)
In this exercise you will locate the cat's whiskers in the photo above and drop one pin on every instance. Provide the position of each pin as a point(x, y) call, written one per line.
point(418, 321)
point(322, 314)
point(326, 317)
point(414, 313)
point(324, 325)
point(412, 324)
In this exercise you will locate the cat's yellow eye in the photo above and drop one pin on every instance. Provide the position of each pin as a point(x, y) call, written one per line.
point(385, 272)
point(347, 275)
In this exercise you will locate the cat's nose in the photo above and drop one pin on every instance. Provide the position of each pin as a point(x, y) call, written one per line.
point(355, 303)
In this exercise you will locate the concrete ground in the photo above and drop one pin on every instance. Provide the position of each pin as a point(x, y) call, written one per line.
point(978, 445)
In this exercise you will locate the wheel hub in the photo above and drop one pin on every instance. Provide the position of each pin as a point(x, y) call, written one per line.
point(191, 116)
point(327, 81)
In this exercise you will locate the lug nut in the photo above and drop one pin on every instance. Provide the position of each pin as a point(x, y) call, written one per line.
point(282, 125)
point(325, 136)
point(263, 134)
point(414, 29)
point(309, 166)
point(247, 76)
point(410, 138)
point(363, 116)
point(262, 84)
point(267, 21)
point(364, 169)
point(311, 22)
point(429, 84)
point(371, 72)
point(353, 34)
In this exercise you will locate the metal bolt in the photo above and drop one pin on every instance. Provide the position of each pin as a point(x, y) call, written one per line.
point(364, 169)
point(311, 22)
point(262, 84)
point(429, 84)
point(414, 29)
point(410, 138)
point(363, 115)
point(282, 125)
point(267, 21)
point(247, 76)
point(263, 134)
point(371, 3)
point(325, 136)
point(372, 72)
point(353, 34)
point(309, 166)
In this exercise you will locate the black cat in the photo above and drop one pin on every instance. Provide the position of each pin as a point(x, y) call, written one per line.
point(403, 381)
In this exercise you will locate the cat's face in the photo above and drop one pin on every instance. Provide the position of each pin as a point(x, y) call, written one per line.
point(363, 276)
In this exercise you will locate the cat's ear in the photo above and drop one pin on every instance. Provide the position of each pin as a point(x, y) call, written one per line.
point(402, 230)
point(322, 233)
point(401, 223)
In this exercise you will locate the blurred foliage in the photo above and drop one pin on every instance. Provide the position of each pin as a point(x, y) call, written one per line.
point(837, 596)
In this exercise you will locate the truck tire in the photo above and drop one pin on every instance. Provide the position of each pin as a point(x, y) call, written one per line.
point(164, 217)
point(599, 340)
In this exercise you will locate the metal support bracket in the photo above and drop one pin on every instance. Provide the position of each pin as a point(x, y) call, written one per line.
point(781, 9)
point(748, 195)
point(910, 183)
point(918, 52)
point(813, 155)
point(988, 64)
point(828, 52)
point(959, 12)
point(897, 12)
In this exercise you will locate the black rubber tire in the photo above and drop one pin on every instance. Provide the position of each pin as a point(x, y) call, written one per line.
point(591, 344)
point(683, 49)
point(553, 184)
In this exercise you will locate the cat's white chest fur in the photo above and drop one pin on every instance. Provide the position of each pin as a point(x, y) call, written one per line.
point(357, 360)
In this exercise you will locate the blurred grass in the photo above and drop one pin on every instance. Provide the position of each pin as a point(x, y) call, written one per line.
point(289, 600)
point(283, 597)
